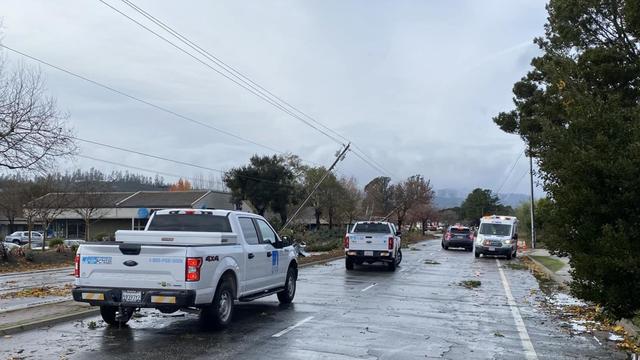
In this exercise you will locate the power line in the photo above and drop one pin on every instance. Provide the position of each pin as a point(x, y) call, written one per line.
point(242, 85)
point(264, 94)
point(510, 172)
point(175, 161)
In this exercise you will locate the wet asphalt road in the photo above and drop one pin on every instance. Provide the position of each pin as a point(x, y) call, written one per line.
point(420, 311)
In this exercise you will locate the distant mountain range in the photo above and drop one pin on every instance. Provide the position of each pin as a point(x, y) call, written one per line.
point(448, 198)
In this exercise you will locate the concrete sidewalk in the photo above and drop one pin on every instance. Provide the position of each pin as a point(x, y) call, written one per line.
point(43, 315)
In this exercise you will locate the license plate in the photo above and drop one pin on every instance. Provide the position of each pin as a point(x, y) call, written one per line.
point(491, 248)
point(131, 296)
point(368, 253)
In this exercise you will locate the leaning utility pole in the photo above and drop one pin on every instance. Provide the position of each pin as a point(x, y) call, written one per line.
point(339, 158)
point(533, 217)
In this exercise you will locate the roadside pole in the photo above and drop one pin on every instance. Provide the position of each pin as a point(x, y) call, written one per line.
point(338, 159)
point(533, 217)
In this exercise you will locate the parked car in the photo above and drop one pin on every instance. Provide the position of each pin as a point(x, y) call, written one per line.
point(187, 258)
point(9, 245)
point(373, 241)
point(458, 236)
point(73, 242)
point(497, 235)
point(22, 237)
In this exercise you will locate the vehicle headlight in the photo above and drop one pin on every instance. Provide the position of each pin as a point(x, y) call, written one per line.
point(507, 242)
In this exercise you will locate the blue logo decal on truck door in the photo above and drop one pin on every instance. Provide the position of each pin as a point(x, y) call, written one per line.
point(274, 261)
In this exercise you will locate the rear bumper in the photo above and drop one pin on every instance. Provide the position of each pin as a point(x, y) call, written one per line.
point(466, 243)
point(371, 255)
point(151, 298)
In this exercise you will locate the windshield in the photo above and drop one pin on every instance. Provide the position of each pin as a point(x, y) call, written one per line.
point(495, 229)
point(191, 222)
point(375, 228)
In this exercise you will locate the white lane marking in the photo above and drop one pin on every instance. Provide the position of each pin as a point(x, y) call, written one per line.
point(598, 341)
point(529, 351)
point(292, 327)
point(369, 287)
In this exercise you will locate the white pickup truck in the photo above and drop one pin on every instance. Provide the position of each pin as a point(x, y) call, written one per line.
point(187, 258)
point(372, 241)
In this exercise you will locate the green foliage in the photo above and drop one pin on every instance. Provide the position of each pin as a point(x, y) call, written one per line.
point(543, 211)
point(55, 242)
point(481, 202)
point(29, 255)
point(578, 109)
point(74, 249)
point(268, 182)
point(101, 236)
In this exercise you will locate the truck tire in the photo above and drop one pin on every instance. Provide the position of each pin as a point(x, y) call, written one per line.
point(110, 315)
point(348, 263)
point(509, 255)
point(399, 257)
point(220, 312)
point(286, 296)
point(391, 266)
point(477, 254)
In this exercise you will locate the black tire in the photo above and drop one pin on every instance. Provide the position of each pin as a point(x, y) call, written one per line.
point(446, 247)
point(220, 312)
point(348, 263)
point(110, 315)
point(399, 257)
point(509, 256)
point(442, 243)
point(391, 266)
point(469, 249)
point(477, 254)
point(286, 296)
point(515, 253)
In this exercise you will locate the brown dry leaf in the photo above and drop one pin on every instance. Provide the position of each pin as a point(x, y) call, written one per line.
point(39, 292)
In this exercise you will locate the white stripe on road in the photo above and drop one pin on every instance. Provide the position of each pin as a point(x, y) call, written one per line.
point(529, 352)
point(292, 327)
point(368, 287)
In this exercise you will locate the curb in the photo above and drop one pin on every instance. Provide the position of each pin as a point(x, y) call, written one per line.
point(629, 327)
point(317, 262)
point(34, 271)
point(30, 325)
point(555, 277)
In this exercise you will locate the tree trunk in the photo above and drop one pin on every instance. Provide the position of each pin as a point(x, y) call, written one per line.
point(12, 225)
point(87, 226)
point(317, 214)
point(44, 234)
point(29, 228)
point(330, 214)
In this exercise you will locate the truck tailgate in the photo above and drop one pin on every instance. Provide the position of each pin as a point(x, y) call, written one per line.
point(368, 241)
point(153, 267)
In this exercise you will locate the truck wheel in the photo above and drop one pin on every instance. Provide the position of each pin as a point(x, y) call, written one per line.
point(348, 263)
point(477, 254)
point(220, 312)
point(286, 296)
point(399, 257)
point(446, 247)
point(509, 255)
point(110, 315)
point(391, 266)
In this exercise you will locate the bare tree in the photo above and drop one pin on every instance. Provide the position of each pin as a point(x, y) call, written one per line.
point(12, 198)
point(410, 193)
point(33, 132)
point(351, 205)
point(90, 203)
point(45, 209)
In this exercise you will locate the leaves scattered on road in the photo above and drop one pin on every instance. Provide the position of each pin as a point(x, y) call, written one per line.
point(470, 284)
point(516, 266)
point(431, 262)
point(39, 292)
point(498, 334)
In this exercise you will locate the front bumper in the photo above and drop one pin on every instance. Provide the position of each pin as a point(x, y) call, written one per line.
point(150, 298)
point(370, 255)
point(485, 250)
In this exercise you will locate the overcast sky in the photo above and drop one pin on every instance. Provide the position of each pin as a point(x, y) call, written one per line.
point(412, 83)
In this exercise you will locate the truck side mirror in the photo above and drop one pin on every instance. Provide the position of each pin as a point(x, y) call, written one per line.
point(515, 236)
point(398, 233)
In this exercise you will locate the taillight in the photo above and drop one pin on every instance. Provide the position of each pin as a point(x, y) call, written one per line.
point(192, 272)
point(346, 241)
point(448, 236)
point(390, 243)
point(76, 270)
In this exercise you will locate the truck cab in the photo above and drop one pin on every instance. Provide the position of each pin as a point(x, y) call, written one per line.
point(497, 235)
point(372, 241)
point(187, 258)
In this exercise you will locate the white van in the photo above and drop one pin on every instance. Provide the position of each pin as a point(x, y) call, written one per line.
point(497, 235)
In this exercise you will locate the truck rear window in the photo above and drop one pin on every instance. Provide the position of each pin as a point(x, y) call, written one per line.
point(372, 228)
point(190, 222)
